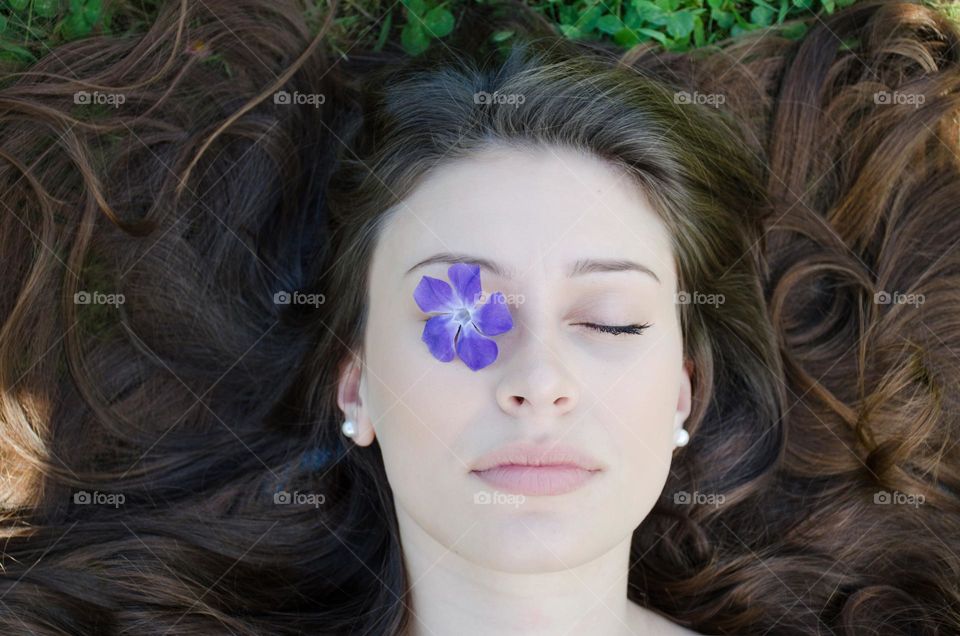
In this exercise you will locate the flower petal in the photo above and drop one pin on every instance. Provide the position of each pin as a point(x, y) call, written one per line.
point(439, 333)
point(476, 350)
point(433, 294)
point(493, 317)
point(466, 282)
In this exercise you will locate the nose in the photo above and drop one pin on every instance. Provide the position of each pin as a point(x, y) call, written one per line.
point(536, 383)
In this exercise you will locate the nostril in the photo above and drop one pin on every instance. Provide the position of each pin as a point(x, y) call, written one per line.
point(518, 399)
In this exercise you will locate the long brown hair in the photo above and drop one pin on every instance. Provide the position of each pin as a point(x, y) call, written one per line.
point(151, 425)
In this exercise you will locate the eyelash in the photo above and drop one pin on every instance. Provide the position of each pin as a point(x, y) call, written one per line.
point(634, 330)
point(617, 330)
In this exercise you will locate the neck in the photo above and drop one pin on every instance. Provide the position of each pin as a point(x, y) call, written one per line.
point(452, 595)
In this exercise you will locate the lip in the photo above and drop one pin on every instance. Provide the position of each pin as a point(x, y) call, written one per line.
point(537, 469)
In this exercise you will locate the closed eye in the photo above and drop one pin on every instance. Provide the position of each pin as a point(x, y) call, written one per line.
point(617, 329)
point(611, 329)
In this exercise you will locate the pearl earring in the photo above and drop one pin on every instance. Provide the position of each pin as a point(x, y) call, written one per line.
point(681, 437)
point(348, 428)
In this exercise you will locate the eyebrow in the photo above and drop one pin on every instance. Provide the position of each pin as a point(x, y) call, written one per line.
point(579, 268)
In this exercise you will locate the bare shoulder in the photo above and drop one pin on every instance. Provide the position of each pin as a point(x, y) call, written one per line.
point(646, 621)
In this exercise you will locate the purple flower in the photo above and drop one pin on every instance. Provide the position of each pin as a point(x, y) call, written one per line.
point(463, 325)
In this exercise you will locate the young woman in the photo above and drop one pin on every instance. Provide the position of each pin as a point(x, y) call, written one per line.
point(543, 343)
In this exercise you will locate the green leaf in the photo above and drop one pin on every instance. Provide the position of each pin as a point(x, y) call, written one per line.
point(806, 5)
point(724, 19)
point(678, 45)
point(568, 14)
point(588, 19)
point(829, 6)
point(849, 44)
point(384, 32)
point(698, 37)
point(742, 26)
point(626, 38)
point(648, 11)
point(570, 31)
point(46, 8)
point(413, 39)
point(680, 24)
point(794, 31)
point(746, 26)
point(3, 24)
point(740, 29)
point(656, 35)
point(609, 24)
point(18, 51)
point(19, 5)
point(784, 7)
point(75, 26)
point(501, 36)
point(107, 17)
point(761, 15)
point(416, 7)
point(93, 11)
point(438, 22)
point(631, 18)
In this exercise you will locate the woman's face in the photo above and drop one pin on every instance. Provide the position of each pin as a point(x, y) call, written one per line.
point(615, 397)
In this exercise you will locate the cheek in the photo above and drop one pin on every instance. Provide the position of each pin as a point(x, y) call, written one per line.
point(644, 424)
point(645, 404)
point(421, 442)
point(642, 442)
point(415, 393)
point(417, 412)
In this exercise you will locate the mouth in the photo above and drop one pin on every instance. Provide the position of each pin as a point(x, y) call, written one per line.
point(537, 480)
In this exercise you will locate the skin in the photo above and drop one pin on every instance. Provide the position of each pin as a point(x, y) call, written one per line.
point(549, 564)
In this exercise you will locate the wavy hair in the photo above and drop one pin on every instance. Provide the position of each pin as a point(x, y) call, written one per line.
point(160, 195)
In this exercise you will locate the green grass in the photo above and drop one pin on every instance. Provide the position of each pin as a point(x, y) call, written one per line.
point(30, 28)
point(676, 25)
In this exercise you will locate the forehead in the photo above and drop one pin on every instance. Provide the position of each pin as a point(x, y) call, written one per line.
point(521, 206)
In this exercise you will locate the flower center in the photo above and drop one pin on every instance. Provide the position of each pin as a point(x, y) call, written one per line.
point(462, 316)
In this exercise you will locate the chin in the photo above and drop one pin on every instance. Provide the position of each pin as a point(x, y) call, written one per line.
point(527, 541)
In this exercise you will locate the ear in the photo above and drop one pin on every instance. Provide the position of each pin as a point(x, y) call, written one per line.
point(350, 389)
point(685, 400)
